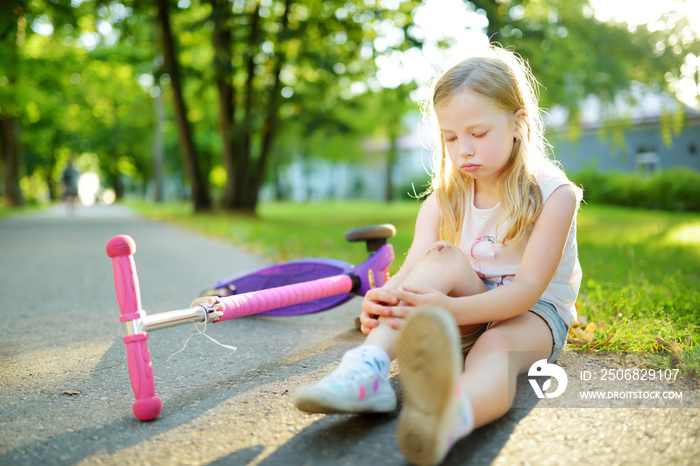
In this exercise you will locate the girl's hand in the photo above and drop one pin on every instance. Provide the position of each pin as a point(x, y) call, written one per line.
point(413, 296)
point(377, 303)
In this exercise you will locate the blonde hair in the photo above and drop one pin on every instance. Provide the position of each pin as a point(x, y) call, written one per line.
point(505, 80)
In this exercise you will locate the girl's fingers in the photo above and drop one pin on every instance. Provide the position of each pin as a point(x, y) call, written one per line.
point(368, 320)
point(416, 296)
point(401, 311)
point(407, 297)
point(396, 324)
point(379, 295)
point(376, 309)
point(367, 323)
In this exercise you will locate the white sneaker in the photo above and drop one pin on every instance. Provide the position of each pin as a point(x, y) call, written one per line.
point(359, 384)
point(430, 363)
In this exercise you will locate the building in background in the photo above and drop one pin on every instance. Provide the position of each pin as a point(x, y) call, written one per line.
point(655, 133)
point(319, 179)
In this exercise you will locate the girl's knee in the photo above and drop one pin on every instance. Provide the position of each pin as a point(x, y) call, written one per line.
point(444, 250)
point(442, 247)
point(454, 268)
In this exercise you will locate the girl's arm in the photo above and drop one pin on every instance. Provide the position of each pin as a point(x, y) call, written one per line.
point(378, 301)
point(424, 236)
point(540, 260)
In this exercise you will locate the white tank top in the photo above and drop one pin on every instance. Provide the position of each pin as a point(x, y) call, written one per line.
point(497, 264)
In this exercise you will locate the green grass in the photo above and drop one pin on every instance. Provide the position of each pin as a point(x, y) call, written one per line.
point(10, 211)
point(641, 275)
point(286, 231)
point(5, 211)
point(641, 268)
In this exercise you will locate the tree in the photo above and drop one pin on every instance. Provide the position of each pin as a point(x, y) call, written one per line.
point(575, 55)
point(289, 77)
point(200, 186)
point(28, 91)
point(281, 57)
point(70, 94)
point(12, 32)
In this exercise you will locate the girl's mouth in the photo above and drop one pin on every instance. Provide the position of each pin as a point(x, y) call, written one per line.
point(470, 167)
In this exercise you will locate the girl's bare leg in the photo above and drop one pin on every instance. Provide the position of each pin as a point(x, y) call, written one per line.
point(446, 268)
point(442, 404)
point(505, 350)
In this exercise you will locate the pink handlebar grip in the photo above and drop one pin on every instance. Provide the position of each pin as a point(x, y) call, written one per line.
point(147, 405)
point(274, 298)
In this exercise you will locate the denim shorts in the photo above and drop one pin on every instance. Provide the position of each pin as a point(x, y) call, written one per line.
point(469, 340)
point(546, 312)
point(556, 325)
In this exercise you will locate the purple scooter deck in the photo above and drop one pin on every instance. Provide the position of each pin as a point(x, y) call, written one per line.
point(288, 273)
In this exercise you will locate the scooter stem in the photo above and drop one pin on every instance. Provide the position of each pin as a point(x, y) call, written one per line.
point(147, 405)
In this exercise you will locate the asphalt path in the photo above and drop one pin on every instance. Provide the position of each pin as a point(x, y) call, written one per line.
point(65, 396)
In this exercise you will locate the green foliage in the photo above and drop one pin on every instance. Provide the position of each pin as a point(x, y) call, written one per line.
point(80, 76)
point(292, 71)
point(71, 98)
point(574, 55)
point(672, 189)
point(677, 189)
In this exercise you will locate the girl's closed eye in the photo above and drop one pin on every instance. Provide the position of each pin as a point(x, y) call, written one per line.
point(480, 135)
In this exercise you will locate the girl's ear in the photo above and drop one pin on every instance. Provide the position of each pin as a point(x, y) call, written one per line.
point(522, 128)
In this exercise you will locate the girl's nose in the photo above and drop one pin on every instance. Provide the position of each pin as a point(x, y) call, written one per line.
point(466, 149)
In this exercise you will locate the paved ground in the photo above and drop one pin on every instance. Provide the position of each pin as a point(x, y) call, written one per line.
point(65, 397)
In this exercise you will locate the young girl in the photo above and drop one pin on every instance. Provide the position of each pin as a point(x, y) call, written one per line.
point(492, 271)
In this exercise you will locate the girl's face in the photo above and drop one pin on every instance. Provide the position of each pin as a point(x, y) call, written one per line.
point(478, 135)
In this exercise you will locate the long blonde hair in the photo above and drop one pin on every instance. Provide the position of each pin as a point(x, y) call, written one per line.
point(505, 80)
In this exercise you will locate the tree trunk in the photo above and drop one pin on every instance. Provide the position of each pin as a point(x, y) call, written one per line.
point(49, 169)
point(11, 34)
point(244, 199)
point(199, 183)
point(245, 175)
point(158, 148)
point(115, 178)
point(270, 127)
point(9, 149)
point(223, 76)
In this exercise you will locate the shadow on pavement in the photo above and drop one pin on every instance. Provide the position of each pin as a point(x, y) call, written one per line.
point(370, 439)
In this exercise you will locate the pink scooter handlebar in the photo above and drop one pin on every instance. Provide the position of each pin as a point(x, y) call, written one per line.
point(370, 274)
point(147, 405)
point(275, 298)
